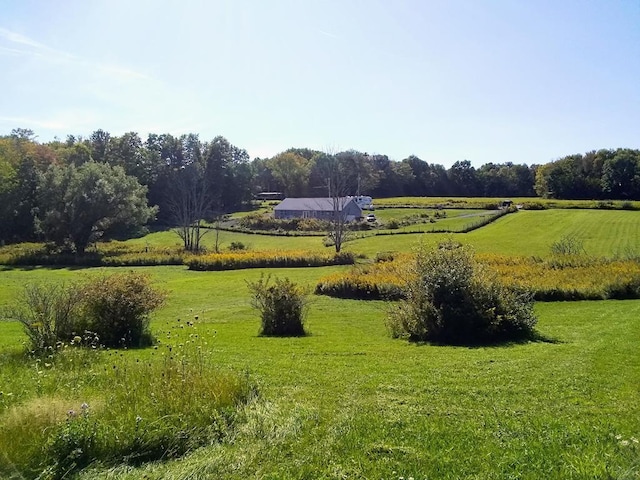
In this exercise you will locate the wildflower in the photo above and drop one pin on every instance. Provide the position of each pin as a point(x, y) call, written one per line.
point(138, 419)
point(71, 413)
point(84, 406)
point(624, 443)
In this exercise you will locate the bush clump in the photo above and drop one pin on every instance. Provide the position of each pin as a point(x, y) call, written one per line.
point(117, 308)
point(48, 314)
point(282, 306)
point(236, 246)
point(452, 299)
point(114, 308)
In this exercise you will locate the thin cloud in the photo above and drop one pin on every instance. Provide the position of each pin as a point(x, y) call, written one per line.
point(15, 37)
point(328, 34)
point(30, 122)
point(62, 120)
point(118, 71)
point(12, 51)
point(41, 50)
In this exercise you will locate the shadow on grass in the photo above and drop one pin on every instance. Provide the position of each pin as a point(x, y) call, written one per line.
point(533, 337)
point(284, 335)
point(29, 268)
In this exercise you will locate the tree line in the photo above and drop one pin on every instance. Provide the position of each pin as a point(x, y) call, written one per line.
point(75, 190)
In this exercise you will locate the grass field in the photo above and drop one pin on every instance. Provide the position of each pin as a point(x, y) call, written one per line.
point(350, 402)
point(481, 202)
point(604, 233)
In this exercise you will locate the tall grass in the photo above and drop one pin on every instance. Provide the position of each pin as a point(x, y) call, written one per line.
point(560, 277)
point(270, 259)
point(83, 406)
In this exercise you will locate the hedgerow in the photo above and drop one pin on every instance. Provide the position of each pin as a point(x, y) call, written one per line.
point(381, 281)
point(267, 222)
point(268, 259)
point(563, 277)
point(111, 254)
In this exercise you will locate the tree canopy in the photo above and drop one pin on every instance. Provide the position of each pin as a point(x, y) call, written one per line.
point(79, 204)
point(28, 169)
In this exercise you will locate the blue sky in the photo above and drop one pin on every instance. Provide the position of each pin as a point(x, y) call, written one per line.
point(483, 80)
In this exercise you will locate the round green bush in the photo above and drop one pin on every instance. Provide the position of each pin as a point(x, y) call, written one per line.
point(452, 299)
point(117, 307)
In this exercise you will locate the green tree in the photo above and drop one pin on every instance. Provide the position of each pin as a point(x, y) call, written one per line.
point(228, 174)
point(77, 205)
point(464, 179)
point(99, 143)
point(621, 175)
point(20, 161)
point(291, 171)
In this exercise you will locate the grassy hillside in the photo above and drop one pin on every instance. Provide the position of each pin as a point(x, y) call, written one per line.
point(528, 232)
point(350, 402)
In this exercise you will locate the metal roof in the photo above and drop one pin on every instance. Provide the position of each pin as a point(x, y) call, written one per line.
point(320, 204)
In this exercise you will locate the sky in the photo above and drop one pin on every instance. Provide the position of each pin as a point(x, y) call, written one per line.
point(482, 80)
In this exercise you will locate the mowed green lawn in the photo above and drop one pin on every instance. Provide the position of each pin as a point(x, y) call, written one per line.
point(531, 232)
point(350, 402)
point(527, 232)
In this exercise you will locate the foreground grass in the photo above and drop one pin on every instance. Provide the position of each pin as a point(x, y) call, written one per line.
point(349, 402)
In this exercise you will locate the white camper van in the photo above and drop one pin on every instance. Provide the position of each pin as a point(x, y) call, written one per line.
point(364, 202)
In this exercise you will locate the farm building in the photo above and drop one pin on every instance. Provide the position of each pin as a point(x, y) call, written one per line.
point(321, 208)
point(270, 196)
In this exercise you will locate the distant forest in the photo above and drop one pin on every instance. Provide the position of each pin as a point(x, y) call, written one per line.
point(234, 179)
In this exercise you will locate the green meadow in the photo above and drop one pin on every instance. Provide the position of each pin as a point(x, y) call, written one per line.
point(348, 401)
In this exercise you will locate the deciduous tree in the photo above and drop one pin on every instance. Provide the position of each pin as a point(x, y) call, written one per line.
point(77, 205)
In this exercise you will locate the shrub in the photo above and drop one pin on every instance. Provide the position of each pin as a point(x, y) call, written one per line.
point(282, 306)
point(117, 307)
point(393, 224)
point(534, 206)
point(605, 205)
point(267, 222)
point(568, 245)
point(48, 314)
point(312, 225)
point(452, 299)
point(236, 245)
point(384, 257)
